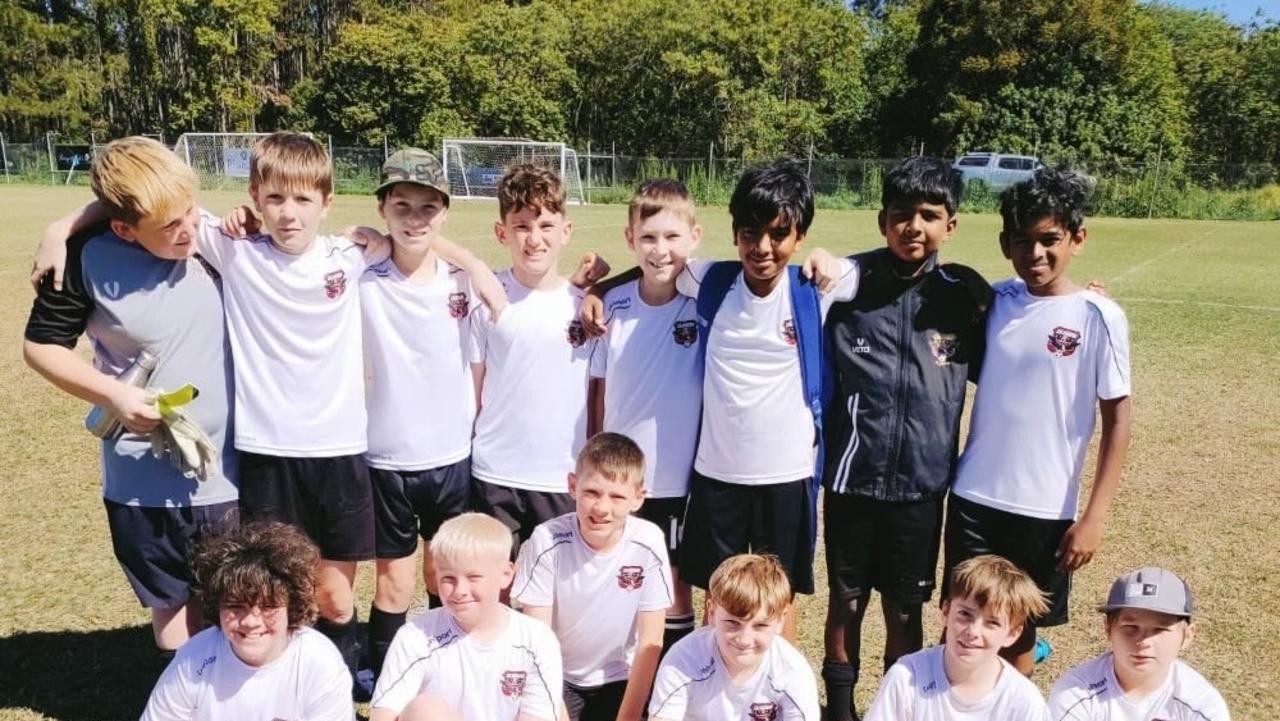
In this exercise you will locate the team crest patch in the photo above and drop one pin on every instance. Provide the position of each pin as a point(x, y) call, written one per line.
point(943, 346)
point(1063, 341)
point(335, 284)
point(575, 334)
point(767, 711)
point(685, 332)
point(513, 683)
point(631, 578)
point(789, 331)
point(458, 304)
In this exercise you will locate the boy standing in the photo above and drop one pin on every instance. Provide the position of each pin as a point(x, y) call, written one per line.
point(1054, 352)
point(601, 580)
point(738, 667)
point(652, 343)
point(474, 655)
point(1148, 624)
point(987, 601)
point(115, 279)
point(902, 351)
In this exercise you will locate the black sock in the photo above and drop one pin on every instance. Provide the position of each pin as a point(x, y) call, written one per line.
point(840, 678)
point(346, 637)
point(677, 628)
point(382, 629)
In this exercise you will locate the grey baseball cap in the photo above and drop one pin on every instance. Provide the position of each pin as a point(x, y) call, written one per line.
point(413, 165)
point(1150, 589)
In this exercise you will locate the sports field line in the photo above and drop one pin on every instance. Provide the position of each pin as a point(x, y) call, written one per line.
point(1139, 267)
point(1200, 303)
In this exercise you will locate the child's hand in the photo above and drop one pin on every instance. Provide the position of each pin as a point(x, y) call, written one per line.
point(51, 255)
point(135, 407)
point(590, 270)
point(822, 268)
point(376, 245)
point(1099, 287)
point(1079, 544)
point(240, 222)
point(592, 316)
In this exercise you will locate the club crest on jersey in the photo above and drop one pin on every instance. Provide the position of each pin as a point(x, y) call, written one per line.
point(631, 578)
point(575, 334)
point(685, 332)
point(943, 346)
point(513, 683)
point(335, 284)
point(767, 711)
point(789, 331)
point(1063, 341)
point(458, 304)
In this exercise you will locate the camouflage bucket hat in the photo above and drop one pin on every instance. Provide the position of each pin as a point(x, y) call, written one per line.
point(413, 165)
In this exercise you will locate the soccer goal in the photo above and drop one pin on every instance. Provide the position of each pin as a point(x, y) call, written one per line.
point(218, 156)
point(475, 165)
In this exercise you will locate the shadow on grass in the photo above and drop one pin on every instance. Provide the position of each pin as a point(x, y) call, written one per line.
point(79, 675)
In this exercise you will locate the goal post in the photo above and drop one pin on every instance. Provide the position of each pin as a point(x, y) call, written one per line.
point(474, 166)
point(221, 156)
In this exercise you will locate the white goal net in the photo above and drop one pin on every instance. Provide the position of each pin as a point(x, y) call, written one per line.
point(474, 166)
point(220, 156)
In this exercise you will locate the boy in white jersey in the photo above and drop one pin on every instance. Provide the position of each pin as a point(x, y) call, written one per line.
point(600, 578)
point(964, 678)
point(1054, 352)
point(530, 367)
point(1148, 624)
point(738, 667)
point(474, 655)
point(259, 659)
point(652, 342)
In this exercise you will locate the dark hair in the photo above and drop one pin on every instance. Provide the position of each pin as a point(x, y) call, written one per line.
point(777, 191)
point(267, 564)
point(1057, 193)
point(529, 186)
point(920, 179)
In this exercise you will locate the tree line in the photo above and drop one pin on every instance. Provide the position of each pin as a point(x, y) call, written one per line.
point(1065, 79)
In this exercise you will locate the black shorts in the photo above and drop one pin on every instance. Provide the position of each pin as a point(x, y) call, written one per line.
point(889, 546)
point(725, 519)
point(329, 499)
point(1030, 543)
point(519, 509)
point(594, 703)
point(667, 514)
point(153, 546)
point(409, 504)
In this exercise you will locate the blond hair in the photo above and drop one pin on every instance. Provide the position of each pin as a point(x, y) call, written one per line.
point(529, 186)
point(748, 583)
point(614, 456)
point(137, 178)
point(995, 584)
point(655, 196)
point(471, 536)
point(291, 160)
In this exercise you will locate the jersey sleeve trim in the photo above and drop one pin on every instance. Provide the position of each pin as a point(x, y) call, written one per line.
point(533, 567)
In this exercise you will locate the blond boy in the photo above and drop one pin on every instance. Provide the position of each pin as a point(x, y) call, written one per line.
point(600, 578)
point(738, 667)
point(964, 679)
point(474, 655)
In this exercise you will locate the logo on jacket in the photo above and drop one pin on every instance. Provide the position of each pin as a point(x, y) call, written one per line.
point(789, 331)
point(1063, 341)
point(631, 578)
point(685, 332)
point(767, 711)
point(860, 345)
point(513, 683)
point(944, 347)
point(576, 334)
point(335, 284)
point(458, 304)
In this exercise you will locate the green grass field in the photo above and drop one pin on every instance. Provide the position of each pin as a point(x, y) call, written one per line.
point(1199, 493)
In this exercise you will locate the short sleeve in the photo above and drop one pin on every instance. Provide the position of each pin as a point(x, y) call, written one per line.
point(690, 279)
point(478, 332)
point(1112, 354)
point(670, 695)
point(174, 696)
point(402, 673)
point(803, 695)
point(658, 595)
point(59, 317)
point(600, 357)
point(212, 244)
point(846, 287)
point(534, 584)
point(329, 695)
point(545, 680)
point(894, 701)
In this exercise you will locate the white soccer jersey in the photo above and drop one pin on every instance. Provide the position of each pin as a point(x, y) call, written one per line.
point(533, 403)
point(917, 689)
point(1090, 692)
point(421, 399)
point(1047, 362)
point(294, 324)
point(652, 368)
point(693, 684)
point(516, 674)
point(205, 681)
point(594, 597)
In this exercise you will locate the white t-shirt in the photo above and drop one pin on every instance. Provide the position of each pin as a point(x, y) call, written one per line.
point(207, 682)
point(518, 673)
point(917, 689)
point(652, 368)
point(533, 403)
point(1048, 361)
point(1090, 692)
point(421, 398)
point(756, 425)
point(294, 324)
point(693, 684)
point(595, 597)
